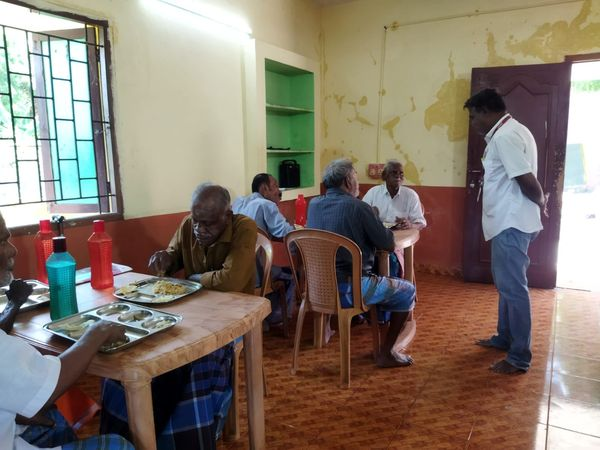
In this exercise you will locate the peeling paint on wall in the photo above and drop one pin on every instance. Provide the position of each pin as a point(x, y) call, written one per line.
point(411, 173)
point(357, 117)
point(389, 126)
point(447, 111)
point(413, 106)
point(331, 154)
point(339, 99)
point(493, 58)
point(551, 41)
point(382, 92)
point(325, 128)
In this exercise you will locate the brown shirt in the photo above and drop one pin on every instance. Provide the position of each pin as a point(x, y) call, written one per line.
point(227, 265)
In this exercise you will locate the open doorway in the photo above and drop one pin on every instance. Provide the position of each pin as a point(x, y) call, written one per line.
point(579, 245)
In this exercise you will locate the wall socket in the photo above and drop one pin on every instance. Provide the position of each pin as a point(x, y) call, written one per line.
point(374, 170)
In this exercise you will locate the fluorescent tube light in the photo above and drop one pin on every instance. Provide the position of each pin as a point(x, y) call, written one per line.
point(208, 12)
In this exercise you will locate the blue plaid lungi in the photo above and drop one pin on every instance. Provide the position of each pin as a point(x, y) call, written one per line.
point(190, 403)
point(390, 294)
point(61, 434)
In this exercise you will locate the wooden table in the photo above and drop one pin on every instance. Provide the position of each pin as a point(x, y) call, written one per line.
point(211, 320)
point(405, 239)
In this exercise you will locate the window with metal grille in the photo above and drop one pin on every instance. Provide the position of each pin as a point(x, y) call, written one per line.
point(56, 145)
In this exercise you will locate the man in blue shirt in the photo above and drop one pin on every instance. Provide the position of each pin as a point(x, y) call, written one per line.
point(340, 211)
point(261, 206)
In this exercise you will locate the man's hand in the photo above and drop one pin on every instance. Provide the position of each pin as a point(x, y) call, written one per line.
point(402, 223)
point(102, 333)
point(18, 292)
point(39, 419)
point(160, 262)
point(544, 207)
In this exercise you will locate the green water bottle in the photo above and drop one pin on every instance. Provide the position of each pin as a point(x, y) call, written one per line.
point(61, 279)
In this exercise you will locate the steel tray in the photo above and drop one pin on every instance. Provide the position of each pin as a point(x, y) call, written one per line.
point(39, 297)
point(142, 291)
point(139, 321)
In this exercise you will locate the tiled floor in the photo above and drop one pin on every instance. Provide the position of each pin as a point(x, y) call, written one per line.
point(447, 399)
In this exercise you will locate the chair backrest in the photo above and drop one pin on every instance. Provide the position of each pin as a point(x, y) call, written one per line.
point(263, 242)
point(318, 250)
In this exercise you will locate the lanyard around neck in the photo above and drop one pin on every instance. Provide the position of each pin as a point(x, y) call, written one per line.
point(502, 122)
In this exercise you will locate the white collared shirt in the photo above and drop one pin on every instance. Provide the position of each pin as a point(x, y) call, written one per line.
point(27, 380)
point(404, 204)
point(511, 151)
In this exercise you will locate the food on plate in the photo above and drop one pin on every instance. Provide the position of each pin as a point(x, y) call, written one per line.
point(169, 288)
point(128, 289)
point(76, 330)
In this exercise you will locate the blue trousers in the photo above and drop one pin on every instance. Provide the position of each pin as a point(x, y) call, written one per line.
point(509, 269)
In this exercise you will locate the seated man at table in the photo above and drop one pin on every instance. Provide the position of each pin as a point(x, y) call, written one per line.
point(216, 248)
point(31, 382)
point(396, 204)
point(340, 211)
point(261, 206)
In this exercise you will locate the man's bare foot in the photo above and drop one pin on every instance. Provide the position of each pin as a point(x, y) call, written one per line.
point(506, 368)
point(328, 333)
point(394, 360)
point(488, 344)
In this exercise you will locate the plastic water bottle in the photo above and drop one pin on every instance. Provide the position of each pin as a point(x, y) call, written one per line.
point(300, 210)
point(100, 249)
point(43, 248)
point(61, 279)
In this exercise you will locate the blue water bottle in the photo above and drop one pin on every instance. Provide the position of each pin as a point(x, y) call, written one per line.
point(61, 279)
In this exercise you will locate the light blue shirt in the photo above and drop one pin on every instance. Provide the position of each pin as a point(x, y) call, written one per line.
point(264, 212)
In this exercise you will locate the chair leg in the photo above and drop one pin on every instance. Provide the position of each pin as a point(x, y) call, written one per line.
point(265, 385)
point(231, 432)
point(284, 310)
point(375, 331)
point(319, 329)
point(298, 336)
point(344, 324)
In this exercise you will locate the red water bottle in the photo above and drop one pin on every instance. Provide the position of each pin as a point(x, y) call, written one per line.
point(100, 248)
point(43, 249)
point(301, 210)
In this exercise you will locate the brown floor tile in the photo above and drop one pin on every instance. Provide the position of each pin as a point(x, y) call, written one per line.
point(448, 399)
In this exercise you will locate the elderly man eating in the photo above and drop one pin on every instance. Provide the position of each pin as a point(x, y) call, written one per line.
point(215, 247)
point(341, 212)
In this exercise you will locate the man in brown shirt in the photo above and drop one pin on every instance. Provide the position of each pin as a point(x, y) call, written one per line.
point(215, 247)
point(212, 245)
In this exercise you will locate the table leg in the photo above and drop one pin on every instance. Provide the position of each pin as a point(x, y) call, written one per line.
point(253, 347)
point(138, 395)
point(409, 268)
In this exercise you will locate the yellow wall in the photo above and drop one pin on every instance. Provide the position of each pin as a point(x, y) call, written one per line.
point(425, 59)
point(178, 91)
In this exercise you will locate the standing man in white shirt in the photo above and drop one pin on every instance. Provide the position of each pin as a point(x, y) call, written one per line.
point(396, 204)
point(512, 201)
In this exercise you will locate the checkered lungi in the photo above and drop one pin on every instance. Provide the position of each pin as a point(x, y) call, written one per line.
point(190, 403)
point(61, 434)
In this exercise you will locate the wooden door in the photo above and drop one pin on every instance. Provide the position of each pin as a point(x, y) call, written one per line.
point(538, 97)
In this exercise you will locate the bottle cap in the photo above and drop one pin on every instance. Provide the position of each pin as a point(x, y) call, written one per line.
point(98, 226)
point(45, 225)
point(59, 244)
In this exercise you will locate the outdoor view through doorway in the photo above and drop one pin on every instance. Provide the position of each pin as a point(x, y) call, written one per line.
point(579, 246)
